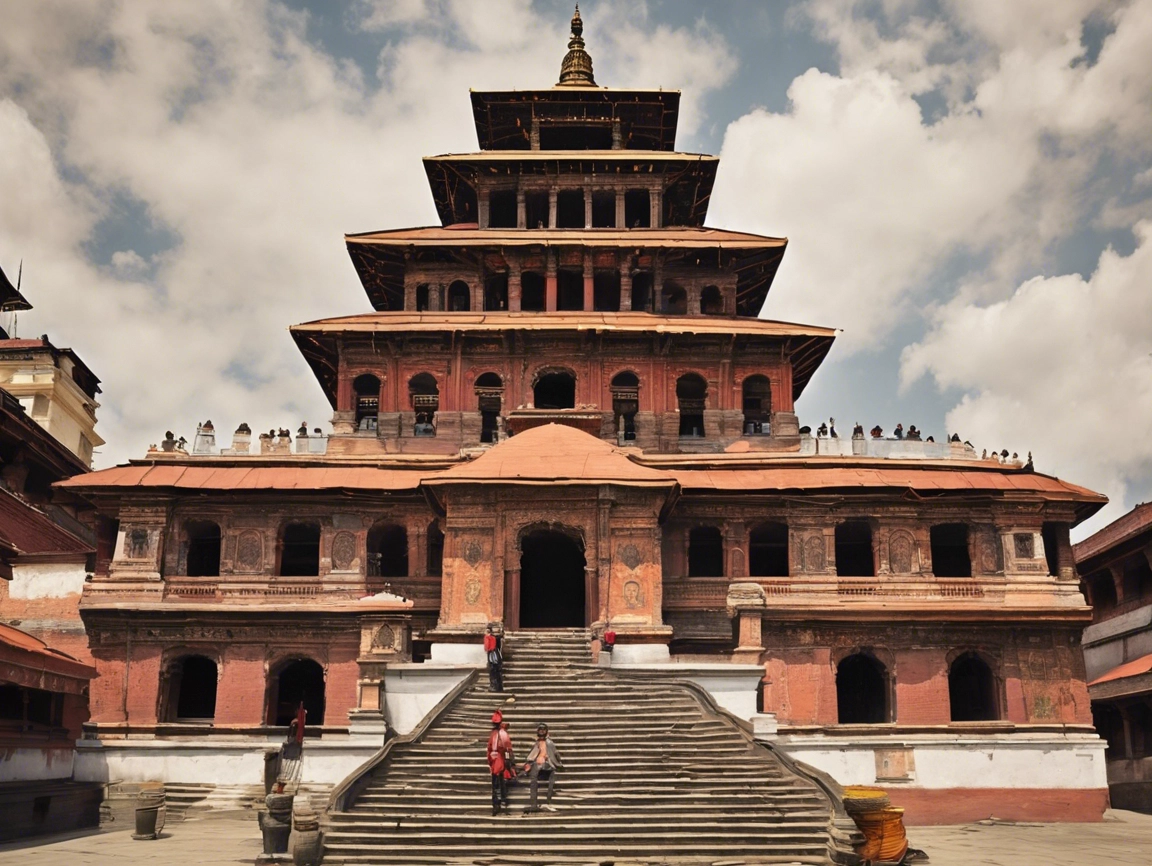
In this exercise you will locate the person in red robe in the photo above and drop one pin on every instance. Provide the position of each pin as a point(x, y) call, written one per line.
point(495, 661)
point(501, 762)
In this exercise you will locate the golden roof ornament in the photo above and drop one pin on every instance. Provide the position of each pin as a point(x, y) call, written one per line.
point(576, 70)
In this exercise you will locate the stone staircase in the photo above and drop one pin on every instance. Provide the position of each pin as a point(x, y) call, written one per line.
point(652, 776)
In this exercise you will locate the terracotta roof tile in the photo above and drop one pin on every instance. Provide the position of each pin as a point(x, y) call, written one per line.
point(32, 532)
point(1133, 668)
point(38, 655)
point(207, 477)
point(1136, 521)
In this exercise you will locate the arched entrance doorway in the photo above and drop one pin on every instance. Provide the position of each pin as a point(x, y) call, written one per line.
point(299, 681)
point(553, 593)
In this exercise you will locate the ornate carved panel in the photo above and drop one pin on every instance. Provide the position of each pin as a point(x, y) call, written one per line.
point(343, 551)
point(249, 552)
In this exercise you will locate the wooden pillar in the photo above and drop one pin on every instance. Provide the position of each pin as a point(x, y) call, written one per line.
point(550, 279)
point(512, 599)
point(521, 210)
point(552, 193)
point(620, 209)
point(589, 281)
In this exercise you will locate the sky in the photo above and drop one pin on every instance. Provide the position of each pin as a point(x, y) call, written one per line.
point(966, 186)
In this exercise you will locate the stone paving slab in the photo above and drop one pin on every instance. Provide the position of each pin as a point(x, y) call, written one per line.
point(1123, 839)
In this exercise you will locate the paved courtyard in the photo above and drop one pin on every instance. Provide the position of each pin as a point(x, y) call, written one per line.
point(1124, 839)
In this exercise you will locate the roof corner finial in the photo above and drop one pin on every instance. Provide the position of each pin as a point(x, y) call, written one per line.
point(576, 70)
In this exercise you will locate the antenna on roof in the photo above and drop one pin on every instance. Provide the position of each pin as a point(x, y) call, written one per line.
point(16, 315)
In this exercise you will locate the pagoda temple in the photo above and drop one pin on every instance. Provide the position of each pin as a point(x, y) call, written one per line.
point(565, 412)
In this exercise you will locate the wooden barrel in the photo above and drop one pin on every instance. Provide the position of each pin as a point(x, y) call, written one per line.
point(884, 835)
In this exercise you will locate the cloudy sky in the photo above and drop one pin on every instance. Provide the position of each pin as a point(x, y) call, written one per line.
point(966, 185)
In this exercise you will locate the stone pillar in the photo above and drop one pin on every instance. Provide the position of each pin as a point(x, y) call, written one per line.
point(693, 300)
point(748, 602)
point(589, 281)
point(617, 137)
point(409, 292)
point(482, 209)
point(550, 276)
point(626, 287)
point(521, 210)
point(552, 193)
point(435, 295)
point(620, 209)
point(587, 207)
point(514, 287)
point(656, 203)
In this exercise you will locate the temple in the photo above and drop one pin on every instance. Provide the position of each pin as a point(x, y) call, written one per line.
point(566, 413)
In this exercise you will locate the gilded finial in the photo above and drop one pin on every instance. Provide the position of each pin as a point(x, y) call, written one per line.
point(576, 70)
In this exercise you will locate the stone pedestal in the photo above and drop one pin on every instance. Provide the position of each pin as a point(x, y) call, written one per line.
point(747, 601)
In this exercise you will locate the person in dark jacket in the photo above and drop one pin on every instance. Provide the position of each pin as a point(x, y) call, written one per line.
point(543, 761)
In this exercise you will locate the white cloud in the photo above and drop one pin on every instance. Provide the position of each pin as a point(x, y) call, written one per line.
point(257, 151)
point(1062, 368)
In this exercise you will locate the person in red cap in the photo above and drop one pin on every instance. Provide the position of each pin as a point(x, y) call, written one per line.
point(501, 762)
point(495, 659)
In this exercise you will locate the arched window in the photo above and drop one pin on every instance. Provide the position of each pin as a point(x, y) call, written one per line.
point(296, 682)
point(642, 291)
point(300, 550)
point(691, 395)
point(459, 297)
point(854, 549)
point(1137, 582)
point(757, 405)
point(950, 557)
point(387, 550)
point(203, 540)
point(191, 690)
point(768, 550)
point(435, 549)
point(711, 301)
point(532, 292)
point(367, 390)
point(496, 292)
point(425, 396)
point(625, 404)
point(705, 552)
point(972, 690)
point(489, 397)
point(606, 291)
point(861, 691)
point(673, 300)
point(555, 391)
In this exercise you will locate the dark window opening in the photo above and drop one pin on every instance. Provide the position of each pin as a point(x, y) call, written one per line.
point(299, 682)
point(1050, 534)
point(203, 548)
point(425, 396)
point(11, 702)
point(367, 390)
point(854, 549)
point(552, 581)
point(570, 209)
point(536, 210)
point(532, 292)
point(1137, 578)
point(1140, 726)
point(387, 550)
point(459, 297)
point(300, 550)
point(642, 292)
point(554, 391)
point(768, 550)
point(691, 396)
point(606, 291)
point(972, 690)
point(603, 210)
point(192, 688)
point(674, 301)
point(637, 209)
point(31, 706)
point(496, 292)
point(502, 209)
point(711, 301)
point(1109, 724)
point(757, 405)
point(705, 552)
point(861, 691)
point(575, 136)
point(489, 395)
point(1102, 594)
point(435, 549)
point(950, 557)
point(570, 290)
point(422, 298)
point(625, 404)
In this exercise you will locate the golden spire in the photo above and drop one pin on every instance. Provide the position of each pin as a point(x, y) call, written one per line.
point(576, 70)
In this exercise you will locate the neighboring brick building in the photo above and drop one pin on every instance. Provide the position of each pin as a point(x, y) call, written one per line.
point(1115, 567)
point(564, 411)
